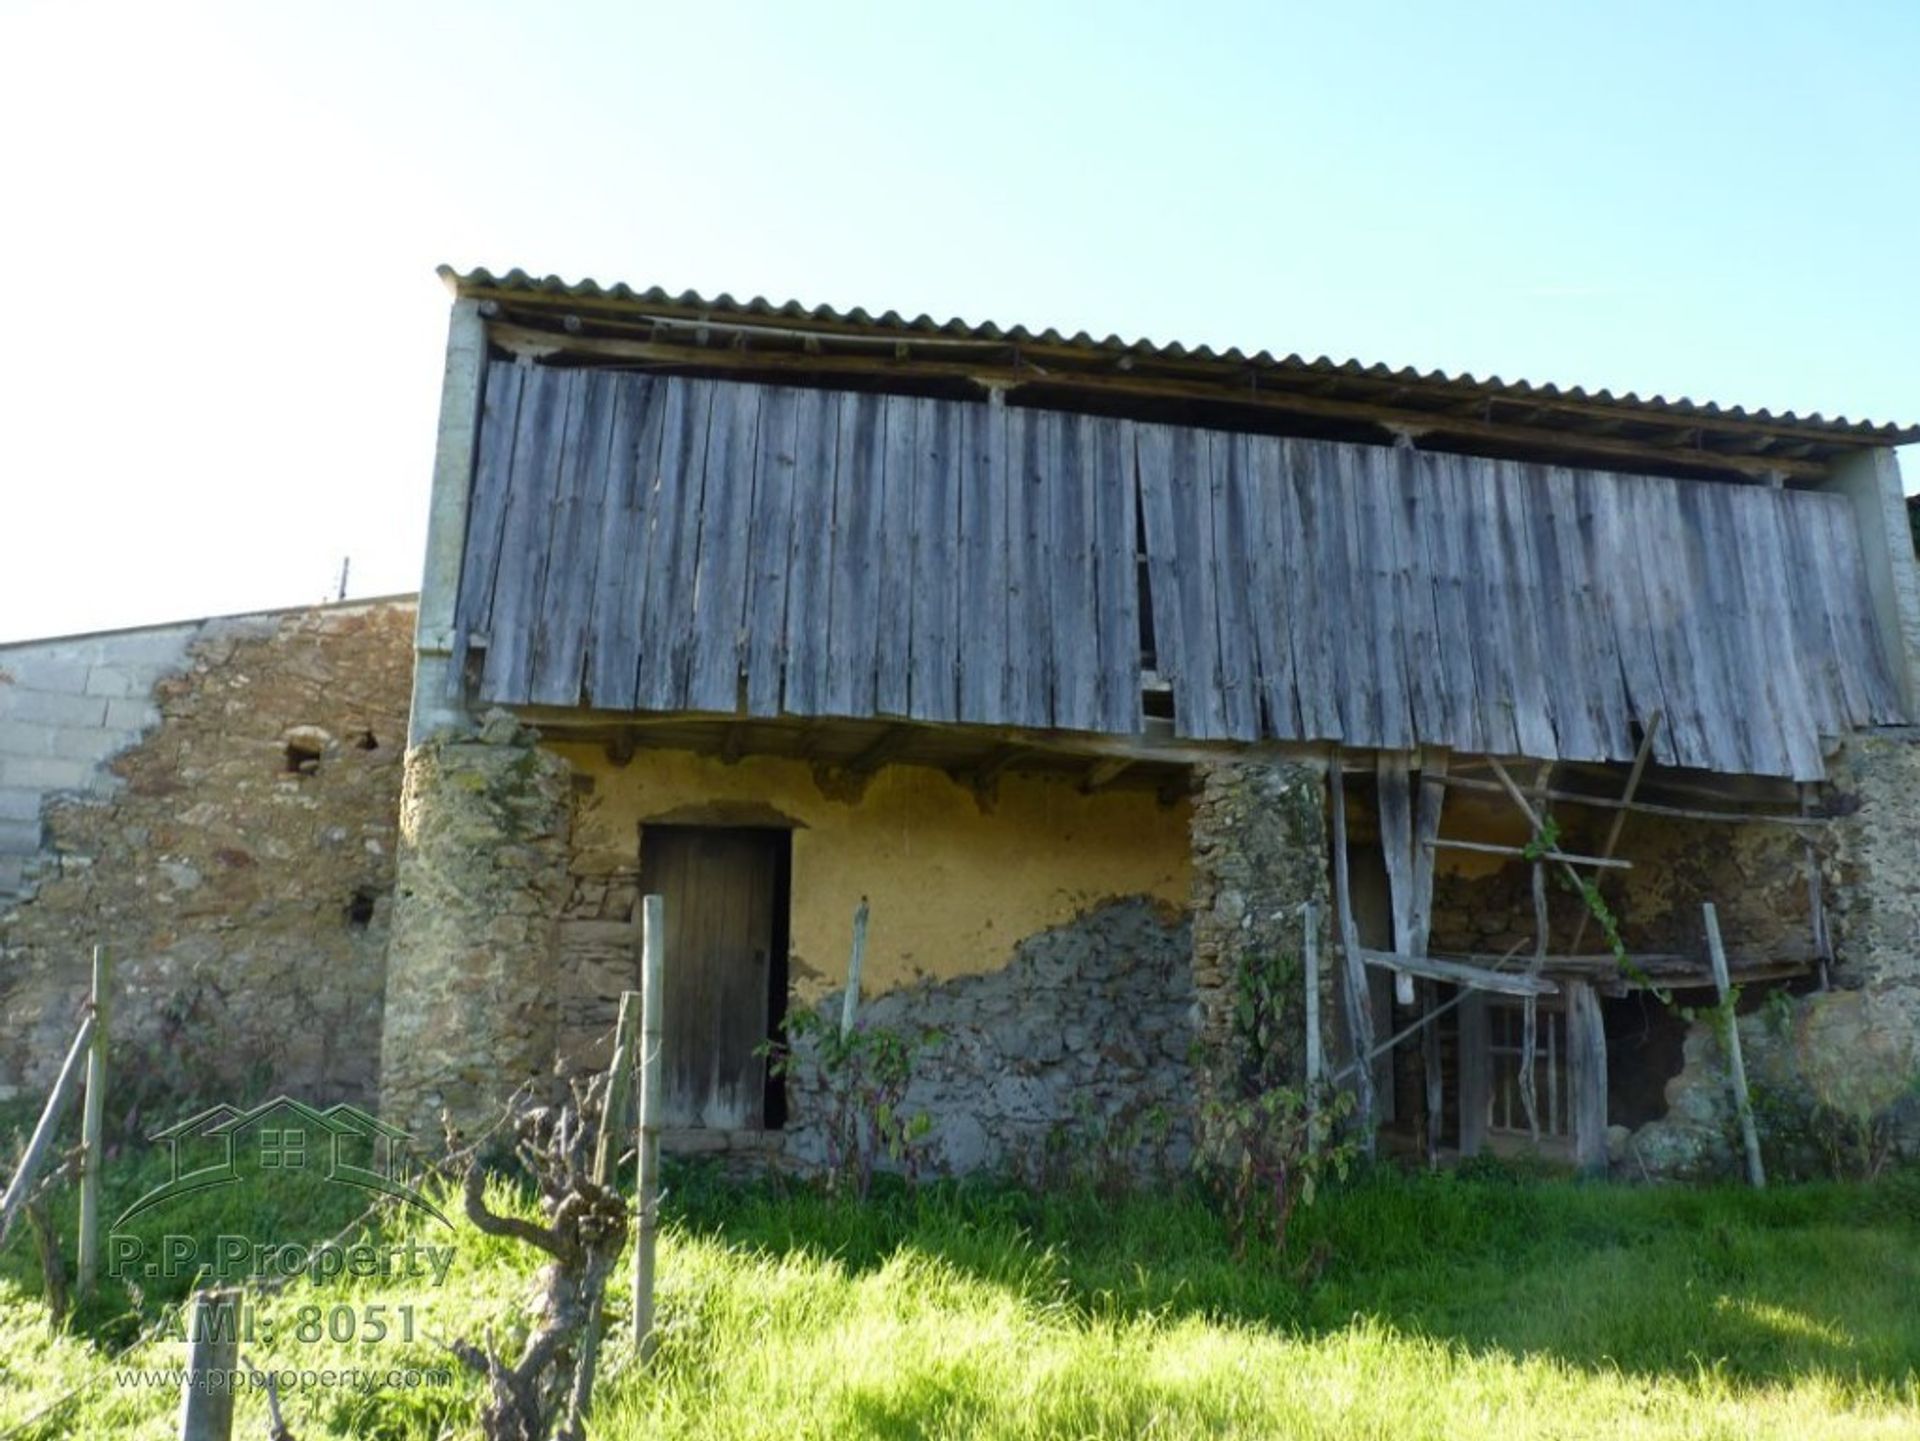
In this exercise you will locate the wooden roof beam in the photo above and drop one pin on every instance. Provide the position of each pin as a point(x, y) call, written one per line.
point(539, 343)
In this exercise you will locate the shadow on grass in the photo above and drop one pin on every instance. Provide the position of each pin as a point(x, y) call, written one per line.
point(1801, 1282)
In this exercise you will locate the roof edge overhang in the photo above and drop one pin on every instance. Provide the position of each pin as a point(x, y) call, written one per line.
point(550, 316)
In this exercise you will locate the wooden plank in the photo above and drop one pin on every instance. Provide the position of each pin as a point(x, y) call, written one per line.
point(1760, 573)
point(1533, 719)
point(811, 558)
point(1458, 973)
point(1731, 716)
point(1265, 516)
point(20, 1185)
point(1614, 555)
point(1116, 570)
point(1317, 660)
point(1371, 558)
point(1427, 684)
point(1396, 847)
point(1068, 499)
point(1666, 556)
point(1443, 530)
point(626, 535)
point(646, 1187)
point(770, 547)
point(1154, 449)
point(539, 446)
point(894, 558)
point(723, 565)
point(1593, 654)
point(666, 613)
point(1199, 696)
point(1567, 663)
point(558, 672)
point(1651, 622)
point(1229, 484)
point(487, 508)
point(1799, 616)
point(1587, 1077)
point(933, 668)
point(983, 564)
point(1844, 576)
point(858, 502)
point(1488, 630)
point(1326, 511)
point(1029, 573)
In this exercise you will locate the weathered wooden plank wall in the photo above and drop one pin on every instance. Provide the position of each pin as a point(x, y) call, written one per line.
point(664, 543)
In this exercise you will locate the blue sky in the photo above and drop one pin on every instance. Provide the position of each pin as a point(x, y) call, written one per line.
point(221, 221)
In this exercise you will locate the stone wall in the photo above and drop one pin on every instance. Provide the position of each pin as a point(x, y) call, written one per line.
point(235, 852)
point(472, 1001)
point(1077, 1052)
point(1838, 1068)
point(1260, 850)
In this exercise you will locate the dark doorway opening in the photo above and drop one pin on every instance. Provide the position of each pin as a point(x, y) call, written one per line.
point(726, 891)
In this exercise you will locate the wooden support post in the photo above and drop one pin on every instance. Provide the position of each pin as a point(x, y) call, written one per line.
point(856, 962)
point(1396, 849)
point(93, 1130)
point(652, 1075)
point(21, 1185)
point(1587, 1074)
point(1742, 1104)
point(213, 1354)
point(1476, 1073)
point(1435, 1088)
point(1353, 963)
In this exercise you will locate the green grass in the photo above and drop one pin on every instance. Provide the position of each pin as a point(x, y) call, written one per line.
point(1434, 1307)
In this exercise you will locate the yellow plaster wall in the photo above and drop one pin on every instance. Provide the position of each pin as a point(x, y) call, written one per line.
point(951, 889)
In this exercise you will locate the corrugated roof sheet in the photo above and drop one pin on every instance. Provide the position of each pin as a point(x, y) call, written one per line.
point(517, 282)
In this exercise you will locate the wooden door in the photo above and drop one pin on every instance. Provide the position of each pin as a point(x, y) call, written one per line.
point(718, 888)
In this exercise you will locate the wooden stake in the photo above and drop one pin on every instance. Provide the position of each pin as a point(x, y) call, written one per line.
point(1742, 1104)
point(646, 1192)
point(42, 1139)
point(606, 1158)
point(856, 962)
point(92, 1130)
point(213, 1353)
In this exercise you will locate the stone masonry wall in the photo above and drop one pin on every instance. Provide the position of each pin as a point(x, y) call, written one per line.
point(1260, 850)
point(472, 1000)
point(1079, 1047)
point(1838, 1064)
point(235, 853)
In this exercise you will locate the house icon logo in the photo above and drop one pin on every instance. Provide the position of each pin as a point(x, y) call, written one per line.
point(222, 1144)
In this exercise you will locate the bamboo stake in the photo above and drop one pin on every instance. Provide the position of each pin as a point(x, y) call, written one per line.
point(652, 942)
point(1645, 808)
point(1742, 1103)
point(213, 1353)
point(42, 1138)
point(92, 1130)
point(856, 962)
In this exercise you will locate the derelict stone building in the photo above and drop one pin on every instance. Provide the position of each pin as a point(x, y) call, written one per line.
point(1089, 665)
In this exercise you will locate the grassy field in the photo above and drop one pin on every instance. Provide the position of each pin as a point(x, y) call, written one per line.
point(1409, 1307)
